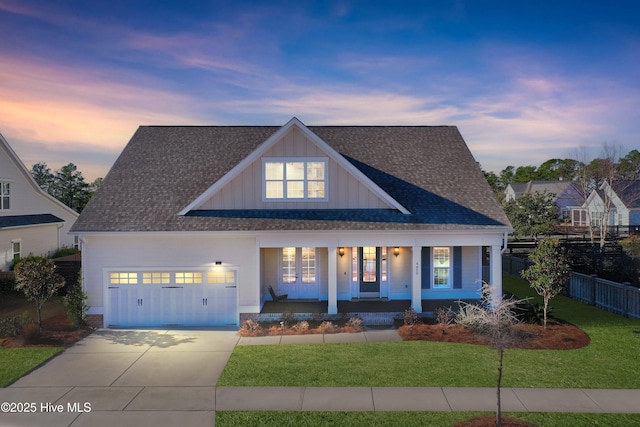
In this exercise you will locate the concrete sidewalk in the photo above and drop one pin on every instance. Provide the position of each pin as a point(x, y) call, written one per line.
point(162, 378)
point(426, 399)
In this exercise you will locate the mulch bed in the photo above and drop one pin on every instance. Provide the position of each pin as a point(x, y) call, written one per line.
point(562, 336)
point(57, 331)
point(490, 420)
point(276, 331)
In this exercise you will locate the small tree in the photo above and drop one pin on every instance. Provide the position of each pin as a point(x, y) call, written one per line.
point(550, 271)
point(533, 214)
point(496, 322)
point(37, 278)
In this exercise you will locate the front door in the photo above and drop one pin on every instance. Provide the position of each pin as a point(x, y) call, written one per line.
point(369, 260)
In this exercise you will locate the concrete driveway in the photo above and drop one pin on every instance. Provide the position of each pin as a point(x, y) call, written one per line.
point(125, 378)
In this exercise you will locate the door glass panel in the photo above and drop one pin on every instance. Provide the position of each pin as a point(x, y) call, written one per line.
point(354, 264)
point(288, 265)
point(308, 265)
point(369, 273)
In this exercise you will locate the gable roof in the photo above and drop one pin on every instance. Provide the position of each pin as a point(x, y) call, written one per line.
point(426, 169)
point(628, 192)
point(273, 139)
point(4, 145)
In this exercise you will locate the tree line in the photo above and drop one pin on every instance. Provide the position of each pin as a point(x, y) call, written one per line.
point(624, 167)
point(65, 184)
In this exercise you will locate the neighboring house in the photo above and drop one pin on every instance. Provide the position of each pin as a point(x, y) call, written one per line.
point(568, 196)
point(193, 224)
point(31, 221)
point(622, 201)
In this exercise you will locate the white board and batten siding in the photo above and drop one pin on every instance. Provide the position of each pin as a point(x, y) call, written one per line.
point(245, 190)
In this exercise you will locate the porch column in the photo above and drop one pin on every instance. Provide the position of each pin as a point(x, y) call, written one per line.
point(332, 304)
point(496, 272)
point(416, 278)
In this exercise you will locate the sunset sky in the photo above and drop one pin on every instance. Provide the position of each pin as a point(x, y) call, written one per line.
point(524, 81)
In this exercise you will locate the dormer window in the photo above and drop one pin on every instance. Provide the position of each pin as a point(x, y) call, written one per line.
point(5, 196)
point(295, 179)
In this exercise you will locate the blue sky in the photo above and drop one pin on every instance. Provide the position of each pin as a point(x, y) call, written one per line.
point(523, 81)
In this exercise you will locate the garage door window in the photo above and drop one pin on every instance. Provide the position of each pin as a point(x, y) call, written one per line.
point(123, 278)
point(186, 277)
point(221, 277)
point(156, 278)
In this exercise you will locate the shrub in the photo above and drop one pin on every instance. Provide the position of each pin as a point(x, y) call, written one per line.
point(7, 284)
point(250, 325)
point(326, 327)
point(528, 312)
point(410, 317)
point(12, 326)
point(445, 316)
point(301, 326)
point(65, 251)
point(287, 319)
point(75, 302)
point(355, 322)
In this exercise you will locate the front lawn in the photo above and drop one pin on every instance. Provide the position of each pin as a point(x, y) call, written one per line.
point(610, 361)
point(16, 362)
point(393, 419)
point(19, 360)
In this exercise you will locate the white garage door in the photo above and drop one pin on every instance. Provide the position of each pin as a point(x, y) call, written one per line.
point(146, 298)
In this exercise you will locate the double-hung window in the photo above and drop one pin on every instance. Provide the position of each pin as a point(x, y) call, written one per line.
point(441, 268)
point(16, 250)
point(5, 196)
point(294, 179)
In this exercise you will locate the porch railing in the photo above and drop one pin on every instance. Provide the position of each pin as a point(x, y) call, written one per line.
point(619, 298)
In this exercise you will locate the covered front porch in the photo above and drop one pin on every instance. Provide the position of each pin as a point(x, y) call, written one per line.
point(336, 280)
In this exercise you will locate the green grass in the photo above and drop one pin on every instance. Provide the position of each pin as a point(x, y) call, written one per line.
point(610, 361)
point(393, 419)
point(16, 362)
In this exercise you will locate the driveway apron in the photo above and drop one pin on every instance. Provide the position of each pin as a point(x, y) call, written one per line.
point(126, 377)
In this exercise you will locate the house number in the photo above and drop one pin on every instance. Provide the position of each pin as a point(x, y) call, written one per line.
point(417, 268)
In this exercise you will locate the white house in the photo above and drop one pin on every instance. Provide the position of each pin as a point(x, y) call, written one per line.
point(567, 195)
point(619, 202)
point(193, 224)
point(31, 221)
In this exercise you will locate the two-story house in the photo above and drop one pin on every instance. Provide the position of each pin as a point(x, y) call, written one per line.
point(31, 221)
point(192, 225)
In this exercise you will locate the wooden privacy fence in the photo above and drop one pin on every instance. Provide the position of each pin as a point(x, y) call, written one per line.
point(619, 298)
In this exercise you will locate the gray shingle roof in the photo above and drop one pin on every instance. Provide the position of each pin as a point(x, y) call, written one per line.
point(25, 220)
point(427, 169)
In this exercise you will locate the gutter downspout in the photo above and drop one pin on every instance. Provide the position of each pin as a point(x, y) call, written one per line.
point(505, 240)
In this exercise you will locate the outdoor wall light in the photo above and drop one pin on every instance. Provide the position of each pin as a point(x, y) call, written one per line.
point(396, 251)
point(341, 251)
point(218, 262)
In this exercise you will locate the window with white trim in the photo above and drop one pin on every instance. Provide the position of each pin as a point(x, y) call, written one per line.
point(295, 179)
point(16, 250)
point(5, 196)
point(441, 268)
point(298, 263)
